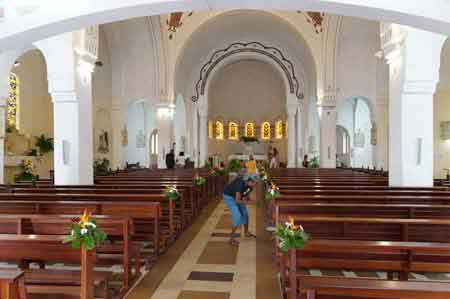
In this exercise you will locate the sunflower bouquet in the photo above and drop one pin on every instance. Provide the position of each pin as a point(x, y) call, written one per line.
point(171, 193)
point(290, 236)
point(85, 233)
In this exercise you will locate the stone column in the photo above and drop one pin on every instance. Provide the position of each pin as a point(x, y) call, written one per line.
point(300, 130)
point(117, 131)
point(291, 111)
point(203, 119)
point(381, 154)
point(72, 139)
point(3, 109)
point(414, 72)
point(195, 135)
point(327, 136)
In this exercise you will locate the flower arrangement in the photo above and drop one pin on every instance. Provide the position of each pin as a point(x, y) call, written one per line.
point(263, 175)
point(29, 171)
point(198, 180)
point(272, 192)
point(213, 172)
point(172, 193)
point(85, 233)
point(290, 236)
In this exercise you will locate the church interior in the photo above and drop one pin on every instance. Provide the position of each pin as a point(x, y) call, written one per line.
point(276, 150)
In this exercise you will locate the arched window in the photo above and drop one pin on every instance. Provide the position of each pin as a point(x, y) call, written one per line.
point(210, 129)
point(233, 131)
point(249, 130)
point(154, 142)
point(219, 130)
point(279, 129)
point(12, 117)
point(265, 131)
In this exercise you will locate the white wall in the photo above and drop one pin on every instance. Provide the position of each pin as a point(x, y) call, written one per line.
point(362, 155)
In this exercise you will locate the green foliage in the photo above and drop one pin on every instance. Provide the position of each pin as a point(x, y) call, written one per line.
point(101, 167)
point(44, 144)
point(234, 165)
point(314, 163)
point(87, 234)
point(272, 193)
point(290, 237)
point(25, 177)
point(198, 180)
point(249, 139)
point(171, 193)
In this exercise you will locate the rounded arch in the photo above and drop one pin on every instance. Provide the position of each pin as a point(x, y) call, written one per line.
point(257, 50)
point(43, 22)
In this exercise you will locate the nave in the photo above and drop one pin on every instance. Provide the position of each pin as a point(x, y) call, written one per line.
point(366, 240)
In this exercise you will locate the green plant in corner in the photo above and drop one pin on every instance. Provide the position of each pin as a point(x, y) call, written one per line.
point(314, 162)
point(44, 144)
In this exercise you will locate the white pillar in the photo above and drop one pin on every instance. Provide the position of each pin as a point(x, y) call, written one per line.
point(118, 127)
point(381, 154)
point(203, 118)
point(300, 130)
point(72, 139)
point(3, 109)
point(327, 136)
point(195, 155)
point(291, 111)
point(414, 72)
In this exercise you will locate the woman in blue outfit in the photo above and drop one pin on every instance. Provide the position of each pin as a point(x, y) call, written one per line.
point(235, 196)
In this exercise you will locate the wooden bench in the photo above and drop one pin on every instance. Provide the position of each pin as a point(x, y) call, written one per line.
point(392, 257)
point(12, 284)
point(331, 287)
point(19, 248)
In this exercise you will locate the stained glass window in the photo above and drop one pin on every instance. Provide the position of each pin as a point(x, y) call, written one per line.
point(249, 130)
point(279, 129)
point(219, 130)
point(233, 131)
point(13, 102)
point(210, 129)
point(265, 130)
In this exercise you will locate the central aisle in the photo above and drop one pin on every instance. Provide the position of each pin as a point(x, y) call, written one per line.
point(210, 267)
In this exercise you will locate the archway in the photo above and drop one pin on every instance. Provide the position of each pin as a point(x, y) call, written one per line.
point(355, 121)
point(342, 147)
point(28, 134)
point(43, 22)
point(258, 97)
point(138, 131)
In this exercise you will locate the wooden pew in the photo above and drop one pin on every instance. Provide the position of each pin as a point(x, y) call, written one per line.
point(137, 211)
point(400, 257)
point(18, 248)
point(117, 229)
point(12, 284)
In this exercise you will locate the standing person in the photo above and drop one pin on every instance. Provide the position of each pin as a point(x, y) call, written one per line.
point(305, 162)
point(235, 196)
point(181, 161)
point(170, 159)
point(250, 165)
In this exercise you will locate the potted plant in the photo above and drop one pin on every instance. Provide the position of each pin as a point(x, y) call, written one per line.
point(44, 144)
point(199, 181)
point(234, 166)
point(314, 163)
point(29, 172)
point(249, 139)
point(273, 192)
point(101, 167)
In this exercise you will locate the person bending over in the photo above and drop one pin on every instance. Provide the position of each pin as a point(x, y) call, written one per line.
point(236, 198)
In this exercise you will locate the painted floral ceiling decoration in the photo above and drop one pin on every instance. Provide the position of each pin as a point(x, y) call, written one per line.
point(314, 18)
point(174, 22)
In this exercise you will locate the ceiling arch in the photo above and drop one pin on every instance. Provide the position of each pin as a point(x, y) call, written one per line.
point(48, 18)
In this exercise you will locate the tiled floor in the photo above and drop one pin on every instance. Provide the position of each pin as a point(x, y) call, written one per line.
point(210, 267)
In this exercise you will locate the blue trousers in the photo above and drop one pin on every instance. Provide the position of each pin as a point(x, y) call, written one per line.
point(239, 212)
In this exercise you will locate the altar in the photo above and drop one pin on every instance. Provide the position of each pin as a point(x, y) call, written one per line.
point(247, 157)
